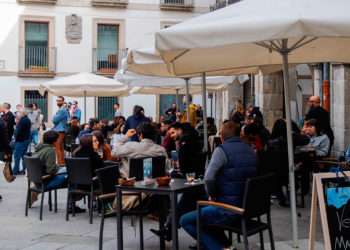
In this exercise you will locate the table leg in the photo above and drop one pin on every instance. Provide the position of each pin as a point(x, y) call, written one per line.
point(119, 220)
point(174, 227)
point(162, 219)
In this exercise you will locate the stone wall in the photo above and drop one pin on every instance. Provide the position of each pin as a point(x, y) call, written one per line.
point(269, 96)
point(341, 107)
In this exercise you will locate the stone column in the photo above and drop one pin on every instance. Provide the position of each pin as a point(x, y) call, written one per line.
point(235, 93)
point(269, 96)
point(341, 107)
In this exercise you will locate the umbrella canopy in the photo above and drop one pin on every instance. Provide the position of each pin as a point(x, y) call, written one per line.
point(254, 33)
point(84, 84)
point(247, 34)
point(142, 84)
point(148, 62)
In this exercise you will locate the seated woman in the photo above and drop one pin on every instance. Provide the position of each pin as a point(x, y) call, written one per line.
point(103, 149)
point(88, 149)
point(319, 142)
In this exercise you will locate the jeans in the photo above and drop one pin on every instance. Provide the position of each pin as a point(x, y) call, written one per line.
point(211, 238)
point(20, 151)
point(35, 137)
point(57, 181)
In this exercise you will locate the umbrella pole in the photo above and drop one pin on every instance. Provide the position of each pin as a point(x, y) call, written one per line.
point(284, 52)
point(204, 104)
point(177, 101)
point(187, 99)
point(85, 106)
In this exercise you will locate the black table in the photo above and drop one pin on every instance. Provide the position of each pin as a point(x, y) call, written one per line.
point(177, 186)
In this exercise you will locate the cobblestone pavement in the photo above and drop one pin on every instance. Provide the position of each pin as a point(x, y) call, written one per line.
point(53, 233)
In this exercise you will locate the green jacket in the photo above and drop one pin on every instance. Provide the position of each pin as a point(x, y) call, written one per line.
point(47, 156)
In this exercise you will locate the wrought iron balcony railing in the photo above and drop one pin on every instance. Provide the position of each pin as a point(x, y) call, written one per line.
point(37, 60)
point(38, 1)
point(107, 61)
point(222, 4)
point(186, 5)
point(110, 3)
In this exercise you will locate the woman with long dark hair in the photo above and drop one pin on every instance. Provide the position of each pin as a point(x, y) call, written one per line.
point(86, 149)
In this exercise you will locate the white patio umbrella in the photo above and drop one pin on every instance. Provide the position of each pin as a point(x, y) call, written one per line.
point(148, 62)
point(84, 85)
point(143, 84)
point(259, 33)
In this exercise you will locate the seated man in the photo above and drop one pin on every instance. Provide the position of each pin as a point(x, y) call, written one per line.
point(231, 165)
point(47, 155)
point(126, 149)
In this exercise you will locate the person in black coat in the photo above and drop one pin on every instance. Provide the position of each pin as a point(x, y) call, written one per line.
point(5, 149)
point(135, 120)
point(322, 117)
point(9, 120)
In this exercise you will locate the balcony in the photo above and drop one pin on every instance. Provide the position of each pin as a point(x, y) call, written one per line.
point(106, 62)
point(38, 1)
point(110, 3)
point(179, 5)
point(222, 4)
point(37, 61)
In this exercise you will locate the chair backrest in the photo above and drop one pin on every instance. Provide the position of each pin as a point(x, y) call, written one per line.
point(73, 147)
point(108, 178)
point(256, 201)
point(136, 167)
point(35, 168)
point(79, 171)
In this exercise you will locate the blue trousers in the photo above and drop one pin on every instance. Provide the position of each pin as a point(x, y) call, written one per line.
point(211, 239)
point(20, 150)
point(59, 179)
point(35, 137)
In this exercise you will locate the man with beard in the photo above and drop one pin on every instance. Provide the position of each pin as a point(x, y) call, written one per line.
point(60, 120)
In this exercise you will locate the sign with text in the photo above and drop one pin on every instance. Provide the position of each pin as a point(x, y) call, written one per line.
point(332, 194)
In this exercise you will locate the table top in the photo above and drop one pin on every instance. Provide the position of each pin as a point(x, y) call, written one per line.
point(176, 185)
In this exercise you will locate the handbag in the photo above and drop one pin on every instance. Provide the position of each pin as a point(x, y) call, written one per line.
point(7, 172)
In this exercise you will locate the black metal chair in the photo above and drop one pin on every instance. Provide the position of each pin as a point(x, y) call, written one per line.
point(136, 167)
point(108, 177)
point(36, 175)
point(80, 175)
point(256, 203)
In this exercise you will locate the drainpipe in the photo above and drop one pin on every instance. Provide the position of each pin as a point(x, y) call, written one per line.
point(326, 87)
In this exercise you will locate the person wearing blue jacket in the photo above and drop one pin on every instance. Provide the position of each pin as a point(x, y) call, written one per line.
point(135, 120)
point(60, 120)
point(231, 165)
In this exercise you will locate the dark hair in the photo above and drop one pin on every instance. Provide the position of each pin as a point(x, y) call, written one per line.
point(251, 129)
point(147, 130)
point(85, 143)
point(138, 110)
point(314, 123)
point(99, 136)
point(7, 105)
point(92, 122)
point(176, 125)
point(30, 105)
point(50, 137)
point(167, 122)
point(117, 104)
point(61, 97)
point(230, 129)
point(279, 129)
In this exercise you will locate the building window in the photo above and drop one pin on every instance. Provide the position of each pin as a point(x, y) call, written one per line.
point(105, 107)
point(36, 46)
point(33, 96)
point(106, 53)
point(165, 102)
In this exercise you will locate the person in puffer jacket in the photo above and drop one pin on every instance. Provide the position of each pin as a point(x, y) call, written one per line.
point(232, 164)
